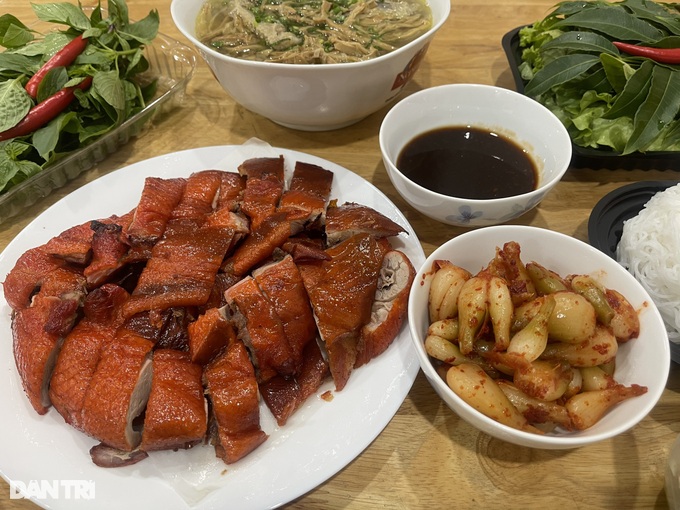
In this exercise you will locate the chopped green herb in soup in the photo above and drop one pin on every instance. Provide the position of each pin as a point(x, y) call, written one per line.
point(311, 31)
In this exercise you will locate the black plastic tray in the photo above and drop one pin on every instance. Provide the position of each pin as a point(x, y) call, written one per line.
point(605, 224)
point(583, 157)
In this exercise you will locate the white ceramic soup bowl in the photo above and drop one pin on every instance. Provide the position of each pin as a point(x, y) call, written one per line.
point(313, 97)
point(521, 119)
point(644, 360)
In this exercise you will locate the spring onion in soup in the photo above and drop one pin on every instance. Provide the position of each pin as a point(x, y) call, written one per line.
point(311, 31)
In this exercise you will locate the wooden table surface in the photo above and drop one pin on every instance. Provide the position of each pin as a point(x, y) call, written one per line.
point(426, 457)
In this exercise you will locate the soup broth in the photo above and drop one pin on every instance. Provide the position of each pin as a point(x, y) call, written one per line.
point(468, 162)
point(311, 31)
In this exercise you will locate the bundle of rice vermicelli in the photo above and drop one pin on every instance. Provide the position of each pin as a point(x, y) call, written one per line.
point(650, 249)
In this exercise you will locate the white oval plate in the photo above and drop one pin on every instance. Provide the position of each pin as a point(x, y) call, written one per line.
point(318, 441)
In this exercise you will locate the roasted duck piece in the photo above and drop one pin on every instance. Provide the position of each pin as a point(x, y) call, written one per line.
point(260, 328)
point(175, 415)
point(118, 391)
point(72, 245)
point(389, 307)
point(341, 292)
point(284, 396)
point(108, 253)
point(209, 334)
point(159, 199)
point(196, 202)
point(181, 270)
point(281, 284)
point(38, 332)
point(264, 187)
point(231, 191)
point(80, 352)
point(258, 247)
point(308, 193)
point(348, 219)
point(232, 388)
point(27, 276)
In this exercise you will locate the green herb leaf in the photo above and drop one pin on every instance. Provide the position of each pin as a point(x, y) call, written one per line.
point(582, 42)
point(63, 13)
point(14, 104)
point(656, 14)
point(13, 33)
point(615, 68)
point(560, 71)
point(144, 30)
point(614, 21)
point(659, 108)
point(633, 94)
point(109, 87)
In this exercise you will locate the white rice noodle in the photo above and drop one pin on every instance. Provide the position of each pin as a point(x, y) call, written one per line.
point(650, 249)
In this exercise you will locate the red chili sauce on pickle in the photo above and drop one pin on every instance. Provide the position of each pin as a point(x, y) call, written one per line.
point(468, 162)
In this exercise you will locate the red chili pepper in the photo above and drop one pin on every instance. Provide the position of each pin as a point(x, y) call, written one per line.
point(661, 55)
point(64, 57)
point(45, 111)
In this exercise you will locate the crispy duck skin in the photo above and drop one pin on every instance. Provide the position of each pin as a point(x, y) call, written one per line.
point(232, 388)
point(81, 349)
point(181, 270)
point(285, 396)
point(281, 284)
point(38, 332)
point(308, 193)
point(341, 292)
point(350, 218)
point(108, 253)
point(261, 330)
point(231, 191)
point(118, 391)
point(159, 198)
point(73, 244)
point(196, 202)
point(264, 187)
point(27, 275)
point(389, 307)
point(303, 248)
point(209, 334)
point(255, 249)
point(176, 413)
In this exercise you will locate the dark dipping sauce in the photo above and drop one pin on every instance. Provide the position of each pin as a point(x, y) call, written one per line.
point(468, 162)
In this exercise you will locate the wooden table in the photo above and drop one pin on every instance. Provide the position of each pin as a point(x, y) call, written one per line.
point(427, 457)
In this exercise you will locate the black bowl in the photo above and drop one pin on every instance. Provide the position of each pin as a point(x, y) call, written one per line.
point(605, 224)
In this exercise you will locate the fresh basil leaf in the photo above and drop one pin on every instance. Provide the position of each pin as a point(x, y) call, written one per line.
point(118, 12)
point(659, 108)
point(45, 48)
point(63, 13)
point(145, 30)
point(559, 71)
point(14, 104)
point(18, 63)
point(614, 21)
point(13, 33)
point(582, 42)
point(53, 81)
point(109, 87)
point(14, 171)
point(46, 138)
point(633, 94)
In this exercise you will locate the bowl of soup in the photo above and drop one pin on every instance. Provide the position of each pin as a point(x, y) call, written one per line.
point(473, 155)
point(312, 66)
